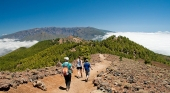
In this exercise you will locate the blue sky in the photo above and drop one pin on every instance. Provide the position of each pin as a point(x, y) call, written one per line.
point(114, 15)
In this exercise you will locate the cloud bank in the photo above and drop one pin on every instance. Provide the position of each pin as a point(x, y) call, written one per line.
point(155, 41)
point(8, 45)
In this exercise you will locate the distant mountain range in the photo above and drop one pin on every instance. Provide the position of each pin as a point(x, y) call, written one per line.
point(46, 33)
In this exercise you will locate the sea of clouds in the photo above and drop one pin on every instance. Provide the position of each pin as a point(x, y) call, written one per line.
point(8, 45)
point(158, 42)
point(155, 41)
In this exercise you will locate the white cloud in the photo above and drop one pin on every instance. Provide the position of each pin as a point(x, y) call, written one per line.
point(8, 45)
point(157, 42)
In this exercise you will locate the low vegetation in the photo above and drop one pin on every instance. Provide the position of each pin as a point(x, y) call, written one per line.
point(49, 52)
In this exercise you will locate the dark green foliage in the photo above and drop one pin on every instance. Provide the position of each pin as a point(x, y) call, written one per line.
point(49, 52)
point(120, 58)
point(147, 61)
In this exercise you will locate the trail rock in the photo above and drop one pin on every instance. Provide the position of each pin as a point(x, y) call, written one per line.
point(40, 85)
point(97, 81)
point(4, 86)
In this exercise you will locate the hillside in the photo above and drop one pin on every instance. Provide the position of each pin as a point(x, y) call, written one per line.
point(48, 53)
point(120, 65)
point(40, 34)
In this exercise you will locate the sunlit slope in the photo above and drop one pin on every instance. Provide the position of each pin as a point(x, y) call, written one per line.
point(48, 53)
point(9, 61)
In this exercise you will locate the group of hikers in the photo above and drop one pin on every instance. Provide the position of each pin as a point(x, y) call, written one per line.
point(67, 70)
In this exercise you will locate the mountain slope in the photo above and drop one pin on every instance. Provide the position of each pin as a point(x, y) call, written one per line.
point(46, 33)
point(41, 36)
point(73, 47)
point(10, 60)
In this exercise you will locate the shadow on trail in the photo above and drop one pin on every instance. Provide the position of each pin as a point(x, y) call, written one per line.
point(62, 88)
point(84, 80)
point(76, 76)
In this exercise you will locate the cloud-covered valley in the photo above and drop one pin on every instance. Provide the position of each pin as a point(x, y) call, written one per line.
point(155, 41)
point(8, 45)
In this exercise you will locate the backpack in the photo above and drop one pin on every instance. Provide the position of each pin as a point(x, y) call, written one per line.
point(65, 70)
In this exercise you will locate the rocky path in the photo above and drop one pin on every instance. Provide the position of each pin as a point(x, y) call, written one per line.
point(113, 76)
point(55, 84)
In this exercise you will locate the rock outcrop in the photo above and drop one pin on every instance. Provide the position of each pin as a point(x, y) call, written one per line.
point(129, 76)
point(14, 79)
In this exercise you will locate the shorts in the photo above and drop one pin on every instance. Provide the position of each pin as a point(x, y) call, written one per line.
point(79, 67)
point(87, 73)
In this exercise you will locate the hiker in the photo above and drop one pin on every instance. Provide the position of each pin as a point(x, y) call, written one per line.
point(79, 67)
point(67, 67)
point(87, 69)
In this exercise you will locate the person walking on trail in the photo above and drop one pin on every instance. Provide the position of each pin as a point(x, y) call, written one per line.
point(87, 67)
point(79, 67)
point(66, 72)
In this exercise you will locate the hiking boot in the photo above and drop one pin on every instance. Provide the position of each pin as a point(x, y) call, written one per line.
point(67, 89)
point(87, 80)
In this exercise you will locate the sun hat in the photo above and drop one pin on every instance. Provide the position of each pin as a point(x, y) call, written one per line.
point(86, 60)
point(66, 58)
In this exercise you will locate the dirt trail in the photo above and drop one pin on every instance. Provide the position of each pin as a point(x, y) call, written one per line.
point(56, 84)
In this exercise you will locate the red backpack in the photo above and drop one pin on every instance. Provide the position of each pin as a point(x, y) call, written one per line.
point(65, 70)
